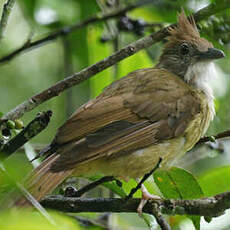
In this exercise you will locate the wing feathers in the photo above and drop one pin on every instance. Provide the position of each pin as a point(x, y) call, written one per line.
point(144, 108)
point(89, 119)
point(140, 138)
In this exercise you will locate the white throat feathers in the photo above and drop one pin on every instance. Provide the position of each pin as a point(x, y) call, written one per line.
point(199, 76)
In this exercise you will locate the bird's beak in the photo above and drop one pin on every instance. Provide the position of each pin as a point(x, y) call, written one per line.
point(212, 53)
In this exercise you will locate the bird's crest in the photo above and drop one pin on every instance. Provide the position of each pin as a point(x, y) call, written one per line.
point(186, 30)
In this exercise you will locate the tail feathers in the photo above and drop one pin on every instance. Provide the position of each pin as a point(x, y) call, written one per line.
point(42, 181)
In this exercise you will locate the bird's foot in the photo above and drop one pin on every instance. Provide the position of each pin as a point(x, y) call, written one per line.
point(145, 197)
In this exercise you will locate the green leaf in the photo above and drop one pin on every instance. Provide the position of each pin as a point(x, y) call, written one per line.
point(115, 188)
point(215, 181)
point(140, 60)
point(98, 51)
point(178, 183)
point(27, 220)
point(150, 221)
point(111, 186)
point(196, 221)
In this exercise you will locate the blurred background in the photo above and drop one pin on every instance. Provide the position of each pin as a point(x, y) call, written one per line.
point(32, 71)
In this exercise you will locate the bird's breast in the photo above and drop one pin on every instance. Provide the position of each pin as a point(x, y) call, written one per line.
point(199, 125)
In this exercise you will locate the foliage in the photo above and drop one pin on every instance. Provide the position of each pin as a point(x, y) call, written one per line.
point(179, 184)
point(27, 220)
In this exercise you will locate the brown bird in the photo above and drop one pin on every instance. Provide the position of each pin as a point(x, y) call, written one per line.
point(150, 113)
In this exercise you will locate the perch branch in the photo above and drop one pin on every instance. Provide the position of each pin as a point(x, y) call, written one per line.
point(31, 130)
point(90, 71)
point(210, 206)
point(213, 138)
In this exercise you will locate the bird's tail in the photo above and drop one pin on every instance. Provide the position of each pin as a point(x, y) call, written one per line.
point(41, 181)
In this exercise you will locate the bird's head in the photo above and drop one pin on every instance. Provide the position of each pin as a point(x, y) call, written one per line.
point(187, 54)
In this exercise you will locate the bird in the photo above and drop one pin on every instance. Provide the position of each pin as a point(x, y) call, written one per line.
point(154, 112)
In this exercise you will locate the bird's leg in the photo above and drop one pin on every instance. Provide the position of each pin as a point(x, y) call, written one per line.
point(145, 194)
point(145, 197)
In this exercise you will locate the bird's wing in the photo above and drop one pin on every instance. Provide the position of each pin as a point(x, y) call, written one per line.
point(144, 108)
point(103, 110)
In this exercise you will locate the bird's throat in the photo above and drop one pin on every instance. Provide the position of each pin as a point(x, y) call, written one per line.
point(199, 76)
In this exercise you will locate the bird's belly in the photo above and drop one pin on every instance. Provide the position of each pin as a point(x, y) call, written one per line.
point(136, 164)
point(142, 161)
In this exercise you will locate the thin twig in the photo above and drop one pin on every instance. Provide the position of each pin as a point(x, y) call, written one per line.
point(90, 71)
point(69, 29)
point(89, 222)
point(210, 206)
point(162, 222)
point(80, 192)
point(160, 219)
point(38, 124)
point(145, 177)
point(213, 138)
point(7, 8)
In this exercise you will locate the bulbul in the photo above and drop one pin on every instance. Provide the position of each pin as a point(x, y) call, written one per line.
point(150, 113)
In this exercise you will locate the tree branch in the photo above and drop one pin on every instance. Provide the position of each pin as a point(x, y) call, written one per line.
point(213, 138)
point(90, 71)
point(7, 8)
point(160, 219)
point(72, 192)
point(31, 130)
point(211, 206)
point(69, 29)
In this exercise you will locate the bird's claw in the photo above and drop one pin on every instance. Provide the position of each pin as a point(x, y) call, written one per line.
point(145, 197)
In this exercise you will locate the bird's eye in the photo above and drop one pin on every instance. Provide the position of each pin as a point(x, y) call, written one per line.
point(184, 49)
